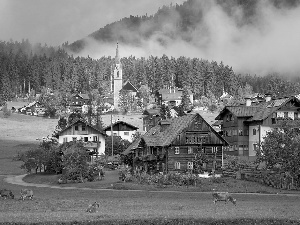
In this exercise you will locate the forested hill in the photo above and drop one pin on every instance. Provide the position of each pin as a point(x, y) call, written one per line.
point(176, 22)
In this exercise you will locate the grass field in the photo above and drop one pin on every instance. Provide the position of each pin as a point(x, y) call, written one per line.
point(149, 206)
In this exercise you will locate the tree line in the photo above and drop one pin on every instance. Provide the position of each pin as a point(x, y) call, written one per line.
point(25, 67)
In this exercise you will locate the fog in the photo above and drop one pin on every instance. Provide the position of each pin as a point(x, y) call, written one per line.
point(269, 44)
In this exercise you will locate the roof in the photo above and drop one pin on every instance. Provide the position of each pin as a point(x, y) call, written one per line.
point(122, 122)
point(134, 145)
point(157, 137)
point(259, 111)
point(83, 96)
point(151, 112)
point(129, 87)
point(82, 121)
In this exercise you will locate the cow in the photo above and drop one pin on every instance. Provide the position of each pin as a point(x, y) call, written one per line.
point(4, 193)
point(223, 196)
point(26, 193)
point(93, 207)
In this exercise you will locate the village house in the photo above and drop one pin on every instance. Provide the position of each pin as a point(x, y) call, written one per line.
point(171, 96)
point(172, 144)
point(244, 127)
point(93, 138)
point(122, 129)
point(78, 101)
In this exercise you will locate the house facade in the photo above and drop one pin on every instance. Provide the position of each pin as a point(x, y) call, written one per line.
point(93, 138)
point(171, 146)
point(171, 96)
point(122, 129)
point(78, 101)
point(245, 127)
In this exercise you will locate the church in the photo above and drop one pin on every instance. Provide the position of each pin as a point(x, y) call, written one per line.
point(117, 83)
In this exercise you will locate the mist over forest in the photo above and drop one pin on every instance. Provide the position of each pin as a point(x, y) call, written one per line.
point(253, 36)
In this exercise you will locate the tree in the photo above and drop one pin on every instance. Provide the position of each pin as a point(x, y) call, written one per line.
point(165, 112)
point(75, 161)
point(119, 145)
point(280, 149)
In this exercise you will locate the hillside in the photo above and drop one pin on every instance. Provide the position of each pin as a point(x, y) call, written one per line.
point(180, 22)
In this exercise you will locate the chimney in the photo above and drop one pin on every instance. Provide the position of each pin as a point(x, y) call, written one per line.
point(248, 101)
point(268, 97)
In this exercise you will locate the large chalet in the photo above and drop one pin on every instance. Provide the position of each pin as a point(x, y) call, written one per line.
point(245, 126)
point(172, 144)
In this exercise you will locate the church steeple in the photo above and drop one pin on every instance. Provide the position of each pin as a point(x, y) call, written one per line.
point(117, 59)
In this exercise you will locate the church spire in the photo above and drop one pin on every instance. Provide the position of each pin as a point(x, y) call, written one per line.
point(117, 59)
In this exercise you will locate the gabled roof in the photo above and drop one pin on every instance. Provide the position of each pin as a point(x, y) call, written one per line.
point(257, 112)
point(134, 145)
point(238, 111)
point(128, 86)
point(83, 96)
point(118, 122)
point(82, 121)
point(157, 137)
point(151, 112)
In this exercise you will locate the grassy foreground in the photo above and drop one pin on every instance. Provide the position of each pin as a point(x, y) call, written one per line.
point(164, 221)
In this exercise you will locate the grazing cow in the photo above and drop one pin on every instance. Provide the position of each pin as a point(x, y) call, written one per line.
point(223, 196)
point(26, 193)
point(93, 207)
point(6, 194)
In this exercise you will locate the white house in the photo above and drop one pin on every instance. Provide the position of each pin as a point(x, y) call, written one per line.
point(122, 129)
point(93, 138)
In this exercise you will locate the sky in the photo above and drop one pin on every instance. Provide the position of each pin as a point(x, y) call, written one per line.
point(271, 44)
point(56, 21)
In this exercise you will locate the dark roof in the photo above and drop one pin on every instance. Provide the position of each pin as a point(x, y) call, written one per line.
point(82, 121)
point(134, 145)
point(259, 111)
point(129, 87)
point(157, 137)
point(122, 122)
point(151, 112)
point(83, 96)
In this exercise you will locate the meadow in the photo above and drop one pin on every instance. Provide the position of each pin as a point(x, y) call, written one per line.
point(67, 204)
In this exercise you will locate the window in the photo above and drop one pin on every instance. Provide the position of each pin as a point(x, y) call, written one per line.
point(76, 127)
point(115, 134)
point(240, 132)
point(177, 165)
point(126, 133)
point(246, 132)
point(254, 131)
point(273, 120)
point(241, 149)
point(190, 150)
point(234, 132)
point(296, 115)
point(285, 114)
point(65, 140)
point(95, 138)
point(86, 139)
point(83, 127)
point(190, 165)
point(229, 133)
point(74, 138)
point(227, 118)
point(176, 150)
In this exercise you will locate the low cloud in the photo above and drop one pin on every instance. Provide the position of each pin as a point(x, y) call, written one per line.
point(268, 44)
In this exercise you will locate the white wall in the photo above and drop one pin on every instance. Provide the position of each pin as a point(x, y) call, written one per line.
point(261, 132)
point(101, 149)
point(122, 135)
